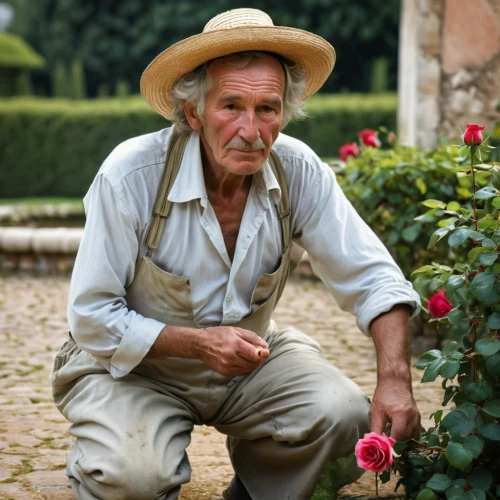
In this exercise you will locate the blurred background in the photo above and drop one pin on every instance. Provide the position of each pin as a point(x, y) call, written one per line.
point(70, 72)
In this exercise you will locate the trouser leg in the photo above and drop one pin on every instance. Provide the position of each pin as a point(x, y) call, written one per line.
point(131, 434)
point(290, 418)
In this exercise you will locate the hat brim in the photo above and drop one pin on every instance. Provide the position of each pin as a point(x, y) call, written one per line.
point(312, 52)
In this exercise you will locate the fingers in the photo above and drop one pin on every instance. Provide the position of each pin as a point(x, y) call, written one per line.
point(251, 338)
point(377, 420)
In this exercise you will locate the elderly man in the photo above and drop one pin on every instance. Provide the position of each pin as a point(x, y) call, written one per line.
point(186, 250)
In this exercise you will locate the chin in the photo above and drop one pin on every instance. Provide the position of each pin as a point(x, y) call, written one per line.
point(246, 166)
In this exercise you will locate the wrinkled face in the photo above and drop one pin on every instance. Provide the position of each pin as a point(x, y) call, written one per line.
point(243, 114)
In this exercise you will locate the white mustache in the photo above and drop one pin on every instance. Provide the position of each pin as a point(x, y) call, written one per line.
point(241, 145)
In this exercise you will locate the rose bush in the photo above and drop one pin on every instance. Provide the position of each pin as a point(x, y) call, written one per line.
point(387, 186)
point(458, 457)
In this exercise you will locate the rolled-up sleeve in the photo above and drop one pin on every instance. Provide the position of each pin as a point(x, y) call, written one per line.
point(345, 253)
point(99, 319)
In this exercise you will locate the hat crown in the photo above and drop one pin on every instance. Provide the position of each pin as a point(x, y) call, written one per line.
point(238, 18)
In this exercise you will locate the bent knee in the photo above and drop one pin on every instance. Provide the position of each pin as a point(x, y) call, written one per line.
point(126, 477)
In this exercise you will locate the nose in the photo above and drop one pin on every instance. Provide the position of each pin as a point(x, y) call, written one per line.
point(249, 129)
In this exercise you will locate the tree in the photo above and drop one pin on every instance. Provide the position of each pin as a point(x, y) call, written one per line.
point(117, 39)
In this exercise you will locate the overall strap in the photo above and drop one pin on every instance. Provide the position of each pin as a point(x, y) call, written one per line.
point(284, 217)
point(162, 204)
point(284, 204)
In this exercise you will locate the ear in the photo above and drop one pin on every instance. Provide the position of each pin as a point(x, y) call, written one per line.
point(192, 116)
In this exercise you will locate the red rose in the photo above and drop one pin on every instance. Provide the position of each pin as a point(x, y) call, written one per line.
point(439, 305)
point(374, 452)
point(348, 150)
point(473, 135)
point(369, 138)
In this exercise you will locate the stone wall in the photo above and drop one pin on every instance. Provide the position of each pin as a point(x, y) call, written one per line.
point(450, 58)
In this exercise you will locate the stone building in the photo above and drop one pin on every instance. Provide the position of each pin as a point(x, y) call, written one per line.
point(449, 68)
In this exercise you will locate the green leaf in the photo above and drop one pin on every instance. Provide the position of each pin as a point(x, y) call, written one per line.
point(494, 321)
point(453, 206)
point(496, 202)
point(421, 185)
point(488, 258)
point(486, 193)
point(477, 391)
point(458, 423)
point(487, 347)
point(455, 493)
point(458, 456)
point(469, 409)
point(458, 237)
point(427, 358)
point(437, 415)
point(490, 430)
point(493, 365)
point(439, 483)
point(475, 252)
point(482, 287)
point(411, 233)
point(489, 244)
point(434, 204)
point(449, 369)
point(495, 178)
point(437, 236)
point(475, 494)
point(474, 444)
point(454, 283)
point(426, 494)
point(492, 408)
point(481, 479)
point(456, 316)
point(432, 371)
point(423, 269)
point(399, 447)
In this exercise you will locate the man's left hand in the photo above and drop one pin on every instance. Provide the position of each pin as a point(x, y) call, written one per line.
point(393, 403)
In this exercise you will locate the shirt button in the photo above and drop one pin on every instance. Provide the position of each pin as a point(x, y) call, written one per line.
point(229, 298)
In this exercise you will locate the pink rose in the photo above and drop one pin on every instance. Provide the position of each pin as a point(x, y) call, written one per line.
point(374, 452)
point(473, 135)
point(439, 305)
point(369, 138)
point(348, 150)
point(392, 138)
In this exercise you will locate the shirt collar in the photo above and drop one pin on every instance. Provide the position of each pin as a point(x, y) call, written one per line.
point(190, 183)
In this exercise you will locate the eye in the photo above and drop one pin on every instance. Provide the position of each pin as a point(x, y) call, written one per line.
point(230, 107)
point(267, 109)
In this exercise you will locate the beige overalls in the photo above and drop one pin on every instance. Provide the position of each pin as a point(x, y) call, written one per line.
point(284, 422)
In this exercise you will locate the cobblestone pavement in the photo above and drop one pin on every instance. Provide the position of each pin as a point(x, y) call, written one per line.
point(34, 437)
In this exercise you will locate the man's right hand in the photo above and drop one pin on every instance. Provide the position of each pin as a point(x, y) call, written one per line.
point(232, 351)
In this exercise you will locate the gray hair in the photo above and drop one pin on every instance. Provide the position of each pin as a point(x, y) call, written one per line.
point(193, 87)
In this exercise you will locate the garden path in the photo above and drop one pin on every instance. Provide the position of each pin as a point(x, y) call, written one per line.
point(34, 437)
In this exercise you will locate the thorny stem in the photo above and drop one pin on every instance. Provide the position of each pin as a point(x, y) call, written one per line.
point(472, 152)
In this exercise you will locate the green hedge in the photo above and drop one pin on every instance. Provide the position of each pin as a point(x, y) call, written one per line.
point(55, 147)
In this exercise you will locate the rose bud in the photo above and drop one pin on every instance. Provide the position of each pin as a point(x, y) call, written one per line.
point(439, 305)
point(347, 150)
point(473, 135)
point(392, 138)
point(369, 138)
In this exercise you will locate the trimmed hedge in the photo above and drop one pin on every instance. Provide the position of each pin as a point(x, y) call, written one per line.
point(55, 147)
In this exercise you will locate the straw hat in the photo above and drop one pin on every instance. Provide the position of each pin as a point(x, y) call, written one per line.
point(233, 31)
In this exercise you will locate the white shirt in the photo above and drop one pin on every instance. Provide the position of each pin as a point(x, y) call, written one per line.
point(343, 250)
